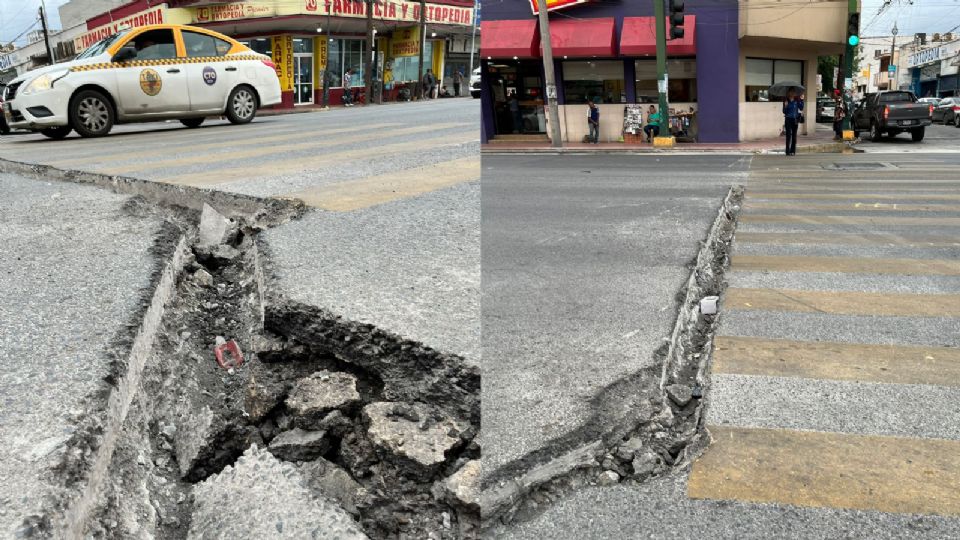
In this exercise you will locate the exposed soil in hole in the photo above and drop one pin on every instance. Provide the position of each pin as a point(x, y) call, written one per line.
point(401, 463)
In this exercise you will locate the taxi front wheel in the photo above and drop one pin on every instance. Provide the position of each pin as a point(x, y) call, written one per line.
point(91, 114)
point(242, 105)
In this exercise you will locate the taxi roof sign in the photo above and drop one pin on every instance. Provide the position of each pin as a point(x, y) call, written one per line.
point(553, 5)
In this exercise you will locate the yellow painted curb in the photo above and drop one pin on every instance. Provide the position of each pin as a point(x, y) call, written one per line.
point(664, 142)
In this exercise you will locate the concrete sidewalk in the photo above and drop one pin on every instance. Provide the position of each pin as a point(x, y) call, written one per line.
point(820, 142)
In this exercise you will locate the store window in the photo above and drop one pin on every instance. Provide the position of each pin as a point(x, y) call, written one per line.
point(761, 73)
point(344, 54)
point(681, 80)
point(406, 68)
point(260, 45)
point(583, 81)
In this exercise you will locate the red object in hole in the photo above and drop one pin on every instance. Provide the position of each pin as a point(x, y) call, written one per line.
point(235, 359)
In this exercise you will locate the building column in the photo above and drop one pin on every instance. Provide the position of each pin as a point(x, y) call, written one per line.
point(630, 80)
point(282, 50)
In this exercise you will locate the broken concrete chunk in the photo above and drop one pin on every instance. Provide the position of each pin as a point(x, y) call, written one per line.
point(331, 481)
point(679, 394)
point(215, 229)
point(202, 277)
point(462, 488)
point(608, 478)
point(261, 497)
point(628, 449)
point(321, 392)
point(259, 399)
point(299, 445)
point(423, 441)
point(644, 464)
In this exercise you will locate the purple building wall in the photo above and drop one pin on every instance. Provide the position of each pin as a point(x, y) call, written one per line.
point(718, 54)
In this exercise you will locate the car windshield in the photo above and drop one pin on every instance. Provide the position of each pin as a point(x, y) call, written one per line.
point(896, 97)
point(100, 46)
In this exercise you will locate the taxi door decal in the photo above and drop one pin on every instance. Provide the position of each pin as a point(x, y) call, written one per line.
point(150, 82)
point(209, 75)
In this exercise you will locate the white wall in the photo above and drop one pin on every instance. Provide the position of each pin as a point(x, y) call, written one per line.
point(760, 120)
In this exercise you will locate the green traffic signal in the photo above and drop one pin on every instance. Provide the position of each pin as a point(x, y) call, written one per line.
point(853, 40)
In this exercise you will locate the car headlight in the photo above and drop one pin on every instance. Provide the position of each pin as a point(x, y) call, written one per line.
point(44, 82)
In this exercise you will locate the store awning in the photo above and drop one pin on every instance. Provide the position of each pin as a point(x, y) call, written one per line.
point(583, 37)
point(639, 38)
point(508, 39)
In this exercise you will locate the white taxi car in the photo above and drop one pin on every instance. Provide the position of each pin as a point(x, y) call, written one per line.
point(143, 74)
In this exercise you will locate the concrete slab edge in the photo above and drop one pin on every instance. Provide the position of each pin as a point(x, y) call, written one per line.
point(79, 510)
point(258, 211)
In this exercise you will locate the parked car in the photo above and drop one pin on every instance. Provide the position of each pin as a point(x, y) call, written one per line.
point(891, 112)
point(154, 72)
point(475, 83)
point(930, 100)
point(825, 109)
point(948, 111)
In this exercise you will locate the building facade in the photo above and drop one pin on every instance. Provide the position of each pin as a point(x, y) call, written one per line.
point(308, 39)
point(605, 51)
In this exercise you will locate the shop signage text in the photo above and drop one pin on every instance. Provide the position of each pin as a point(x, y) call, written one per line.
point(391, 10)
point(405, 42)
point(924, 57)
point(283, 59)
point(154, 15)
point(553, 5)
point(7, 61)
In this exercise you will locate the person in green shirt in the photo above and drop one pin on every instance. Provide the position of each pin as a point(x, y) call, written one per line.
point(652, 129)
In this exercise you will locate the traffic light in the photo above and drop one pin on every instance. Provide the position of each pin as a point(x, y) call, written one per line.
point(853, 29)
point(676, 19)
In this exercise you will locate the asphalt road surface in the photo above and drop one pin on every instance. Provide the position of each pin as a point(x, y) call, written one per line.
point(582, 260)
point(397, 183)
point(833, 401)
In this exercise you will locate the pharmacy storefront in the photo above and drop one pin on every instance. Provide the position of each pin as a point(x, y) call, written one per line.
point(309, 38)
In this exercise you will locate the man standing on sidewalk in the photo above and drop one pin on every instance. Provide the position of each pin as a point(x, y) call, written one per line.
point(593, 118)
point(347, 90)
point(429, 84)
point(457, 81)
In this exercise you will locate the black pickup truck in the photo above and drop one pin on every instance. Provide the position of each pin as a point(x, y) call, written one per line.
point(889, 113)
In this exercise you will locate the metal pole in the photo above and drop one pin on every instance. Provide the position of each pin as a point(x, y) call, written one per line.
point(893, 50)
point(423, 43)
point(848, 67)
point(660, 23)
point(326, 67)
point(473, 43)
point(368, 68)
point(552, 109)
point(46, 36)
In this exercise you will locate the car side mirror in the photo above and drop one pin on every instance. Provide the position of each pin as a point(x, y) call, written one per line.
point(125, 53)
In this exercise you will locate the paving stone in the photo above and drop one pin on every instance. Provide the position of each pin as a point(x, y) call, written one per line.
point(321, 392)
point(299, 445)
point(262, 497)
point(413, 431)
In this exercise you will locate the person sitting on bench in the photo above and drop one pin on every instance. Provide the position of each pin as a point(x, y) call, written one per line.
point(652, 129)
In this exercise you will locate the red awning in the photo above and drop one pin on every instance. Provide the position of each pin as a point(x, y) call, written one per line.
point(639, 38)
point(506, 39)
point(583, 37)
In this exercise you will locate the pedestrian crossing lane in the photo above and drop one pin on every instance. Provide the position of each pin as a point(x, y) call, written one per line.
point(830, 413)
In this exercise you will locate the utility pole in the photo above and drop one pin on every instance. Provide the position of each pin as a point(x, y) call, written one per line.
point(46, 36)
point(326, 66)
point(473, 39)
point(659, 21)
point(552, 112)
point(853, 38)
point(895, 74)
point(371, 51)
point(423, 43)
